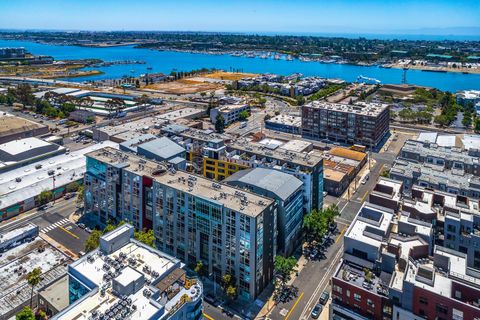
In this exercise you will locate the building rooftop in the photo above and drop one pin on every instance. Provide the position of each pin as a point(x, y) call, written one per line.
point(360, 108)
point(17, 262)
point(284, 119)
point(297, 146)
point(348, 153)
point(298, 158)
point(132, 144)
point(10, 124)
point(235, 199)
point(281, 184)
point(18, 150)
point(371, 225)
point(66, 167)
point(182, 113)
point(130, 279)
point(162, 147)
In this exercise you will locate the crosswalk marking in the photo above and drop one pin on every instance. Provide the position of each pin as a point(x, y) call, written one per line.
point(55, 225)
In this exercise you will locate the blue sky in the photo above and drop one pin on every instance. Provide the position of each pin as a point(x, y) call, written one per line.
point(337, 16)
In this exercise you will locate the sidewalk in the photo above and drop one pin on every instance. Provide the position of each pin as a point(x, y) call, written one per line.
point(268, 306)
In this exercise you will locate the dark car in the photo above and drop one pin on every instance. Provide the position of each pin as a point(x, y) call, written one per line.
point(324, 297)
point(317, 310)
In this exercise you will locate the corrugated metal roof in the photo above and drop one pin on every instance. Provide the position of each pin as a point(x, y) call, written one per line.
point(281, 184)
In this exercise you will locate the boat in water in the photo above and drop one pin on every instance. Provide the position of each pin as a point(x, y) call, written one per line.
point(367, 80)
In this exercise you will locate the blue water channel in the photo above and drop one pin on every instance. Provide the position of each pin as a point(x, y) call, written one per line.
point(167, 61)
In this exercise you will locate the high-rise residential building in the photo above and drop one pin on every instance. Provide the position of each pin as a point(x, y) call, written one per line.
point(360, 123)
point(231, 231)
point(287, 192)
point(306, 166)
point(129, 280)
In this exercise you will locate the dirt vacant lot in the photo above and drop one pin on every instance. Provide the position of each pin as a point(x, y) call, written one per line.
point(222, 75)
point(185, 86)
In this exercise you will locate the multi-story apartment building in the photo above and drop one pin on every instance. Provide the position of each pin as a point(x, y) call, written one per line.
point(127, 279)
point(391, 268)
point(449, 169)
point(359, 123)
point(231, 231)
point(287, 192)
point(307, 167)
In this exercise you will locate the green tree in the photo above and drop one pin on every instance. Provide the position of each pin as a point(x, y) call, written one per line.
point(315, 226)
point(33, 279)
point(146, 237)
point(45, 197)
point(72, 186)
point(477, 124)
point(80, 193)
point(228, 285)
point(25, 314)
point(199, 268)
point(467, 119)
point(93, 240)
point(243, 115)
point(219, 123)
point(284, 267)
point(24, 94)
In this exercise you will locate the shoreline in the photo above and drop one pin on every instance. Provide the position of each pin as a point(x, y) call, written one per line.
point(434, 69)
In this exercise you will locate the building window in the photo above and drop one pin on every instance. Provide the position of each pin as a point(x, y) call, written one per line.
point(337, 289)
point(357, 297)
point(423, 300)
point(370, 303)
point(442, 308)
point(387, 310)
point(348, 293)
point(458, 294)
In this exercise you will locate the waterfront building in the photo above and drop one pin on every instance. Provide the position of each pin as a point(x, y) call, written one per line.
point(12, 53)
point(361, 123)
point(287, 192)
point(195, 219)
point(126, 278)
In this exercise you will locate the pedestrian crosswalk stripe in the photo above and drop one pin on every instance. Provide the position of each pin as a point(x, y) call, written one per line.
point(55, 225)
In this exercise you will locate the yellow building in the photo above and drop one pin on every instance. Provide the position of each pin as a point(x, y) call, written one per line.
point(220, 169)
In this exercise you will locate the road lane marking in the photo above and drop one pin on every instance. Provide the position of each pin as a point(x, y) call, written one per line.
point(294, 305)
point(70, 233)
point(207, 316)
point(341, 233)
point(363, 198)
point(320, 284)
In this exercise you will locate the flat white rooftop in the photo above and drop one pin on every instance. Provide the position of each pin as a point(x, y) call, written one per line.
point(67, 168)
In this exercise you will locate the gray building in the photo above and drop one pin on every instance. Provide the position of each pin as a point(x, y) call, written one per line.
point(195, 219)
point(287, 192)
point(448, 169)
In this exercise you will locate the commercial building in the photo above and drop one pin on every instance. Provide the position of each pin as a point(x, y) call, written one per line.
point(360, 123)
point(230, 112)
point(341, 167)
point(55, 297)
point(18, 153)
point(19, 188)
point(287, 192)
point(125, 278)
point(449, 169)
point(83, 116)
point(16, 262)
point(193, 218)
point(285, 123)
point(468, 96)
point(306, 166)
point(15, 128)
